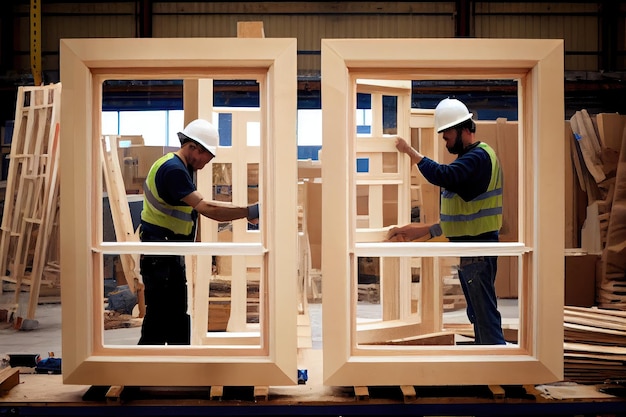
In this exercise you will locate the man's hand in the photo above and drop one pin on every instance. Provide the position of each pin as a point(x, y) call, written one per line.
point(409, 232)
point(404, 147)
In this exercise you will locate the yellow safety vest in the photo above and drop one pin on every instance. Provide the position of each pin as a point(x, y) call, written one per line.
point(156, 211)
point(480, 215)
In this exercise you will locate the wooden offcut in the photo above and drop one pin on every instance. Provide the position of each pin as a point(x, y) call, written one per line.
point(250, 30)
point(9, 377)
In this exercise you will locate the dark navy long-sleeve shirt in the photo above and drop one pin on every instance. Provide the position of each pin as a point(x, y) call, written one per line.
point(468, 175)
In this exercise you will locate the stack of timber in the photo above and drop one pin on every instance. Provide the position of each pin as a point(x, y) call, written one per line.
point(599, 156)
point(219, 303)
point(453, 297)
point(594, 345)
point(29, 238)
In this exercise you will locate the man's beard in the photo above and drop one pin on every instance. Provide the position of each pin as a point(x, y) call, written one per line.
point(457, 148)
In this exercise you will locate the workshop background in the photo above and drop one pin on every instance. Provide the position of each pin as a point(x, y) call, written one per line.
point(594, 35)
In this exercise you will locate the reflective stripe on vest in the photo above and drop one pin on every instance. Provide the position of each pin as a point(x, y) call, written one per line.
point(480, 215)
point(156, 211)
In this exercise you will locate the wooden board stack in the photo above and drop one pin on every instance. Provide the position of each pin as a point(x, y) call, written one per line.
point(599, 156)
point(594, 344)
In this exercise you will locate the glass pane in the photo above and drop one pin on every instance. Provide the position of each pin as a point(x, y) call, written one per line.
point(152, 125)
point(390, 115)
point(222, 182)
point(110, 125)
point(253, 133)
point(435, 317)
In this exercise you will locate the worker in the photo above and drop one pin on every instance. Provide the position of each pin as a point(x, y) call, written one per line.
point(170, 211)
point(470, 211)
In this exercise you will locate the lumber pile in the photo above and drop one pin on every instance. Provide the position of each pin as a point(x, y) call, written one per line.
point(29, 234)
point(594, 345)
point(599, 156)
point(117, 320)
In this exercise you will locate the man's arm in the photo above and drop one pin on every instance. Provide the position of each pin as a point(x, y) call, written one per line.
point(221, 211)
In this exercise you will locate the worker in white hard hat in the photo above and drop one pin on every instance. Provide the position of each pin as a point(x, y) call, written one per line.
point(170, 211)
point(471, 211)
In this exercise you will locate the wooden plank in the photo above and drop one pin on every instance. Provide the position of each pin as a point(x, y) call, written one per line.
point(9, 377)
point(614, 257)
point(589, 145)
point(497, 391)
point(114, 394)
point(250, 30)
point(120, 210)
point(591, 240)
point(261, 393)
point(50, 211)
point(571, 192)
point(596, 311)
point(533, 391)
point(428, 143)
point(361, 393)
point(585, 179)
point(610, 129)
point(600, 323)
point(439, 338)
point(408, 393)
point(598, 332)
point(216, 392)
point(594, 348)
point(576, 156)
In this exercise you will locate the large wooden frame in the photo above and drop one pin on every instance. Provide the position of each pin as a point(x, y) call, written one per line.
point(538, 67)
point(239, 155)
point(85, 64)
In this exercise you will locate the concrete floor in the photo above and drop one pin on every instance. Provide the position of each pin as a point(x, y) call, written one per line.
point(47, 336)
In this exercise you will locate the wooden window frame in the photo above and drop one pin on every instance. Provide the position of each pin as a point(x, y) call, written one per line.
point(538, 67)
point(85, 64)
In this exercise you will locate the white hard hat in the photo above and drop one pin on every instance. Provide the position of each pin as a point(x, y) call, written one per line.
point(202, 132)
point(449, 113)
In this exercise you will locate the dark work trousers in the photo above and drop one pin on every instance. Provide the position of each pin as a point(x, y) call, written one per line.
point(166, 320)
point(478, 277)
